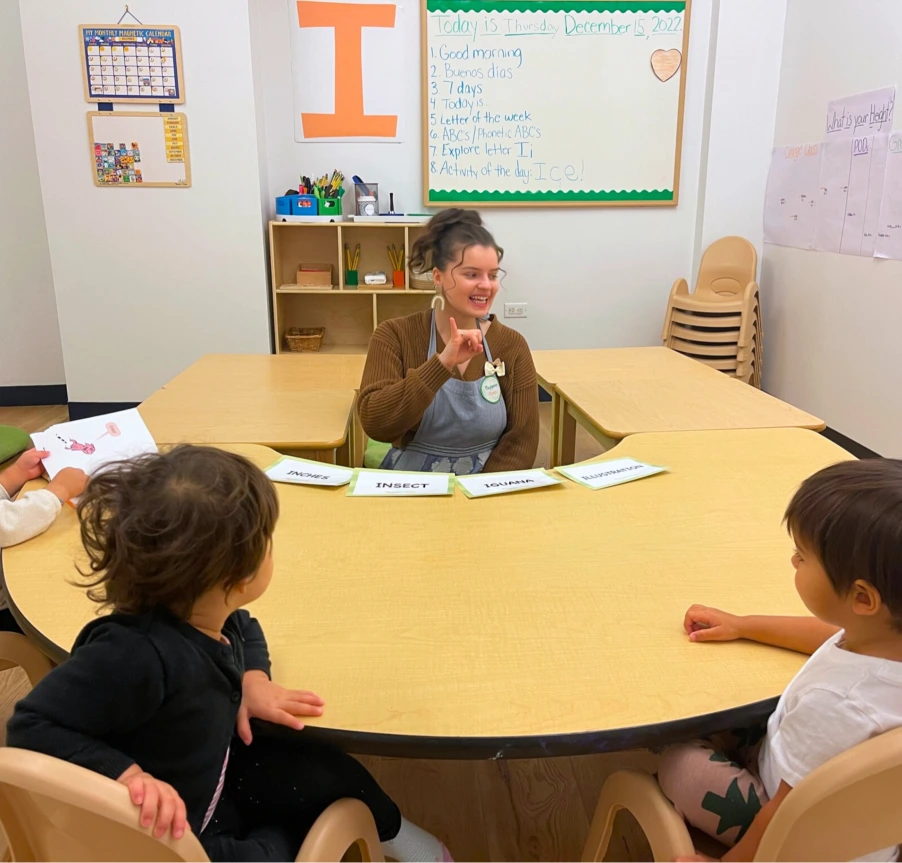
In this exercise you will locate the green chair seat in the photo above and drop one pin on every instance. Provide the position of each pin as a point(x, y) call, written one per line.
point(375, 453)
point(12, 442)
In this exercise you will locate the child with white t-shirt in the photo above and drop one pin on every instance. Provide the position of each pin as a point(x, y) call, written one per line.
point(34, 512)
point(846, 522)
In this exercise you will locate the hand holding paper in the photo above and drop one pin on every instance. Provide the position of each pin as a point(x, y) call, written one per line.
point(91, 443)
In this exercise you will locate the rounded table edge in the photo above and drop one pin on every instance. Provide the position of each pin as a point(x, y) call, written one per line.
point(536, 746)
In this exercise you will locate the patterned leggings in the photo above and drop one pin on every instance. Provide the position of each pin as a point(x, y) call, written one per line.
point(714, 783)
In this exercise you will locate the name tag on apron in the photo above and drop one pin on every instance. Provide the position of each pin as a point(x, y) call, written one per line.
point(490, 389)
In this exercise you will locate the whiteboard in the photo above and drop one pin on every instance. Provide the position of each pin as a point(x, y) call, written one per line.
point(139, 150)
point(550, 102)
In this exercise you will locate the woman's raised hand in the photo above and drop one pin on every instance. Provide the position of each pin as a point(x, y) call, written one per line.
point(462, 346)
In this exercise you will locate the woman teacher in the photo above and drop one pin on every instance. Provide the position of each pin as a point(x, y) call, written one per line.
point(452, 388)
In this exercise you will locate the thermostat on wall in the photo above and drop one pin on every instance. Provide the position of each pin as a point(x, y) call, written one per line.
point(375, 279)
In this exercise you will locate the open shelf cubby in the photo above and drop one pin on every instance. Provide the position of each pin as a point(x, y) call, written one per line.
point(348, 314)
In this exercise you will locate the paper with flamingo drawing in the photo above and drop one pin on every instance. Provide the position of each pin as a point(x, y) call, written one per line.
point(91, 443)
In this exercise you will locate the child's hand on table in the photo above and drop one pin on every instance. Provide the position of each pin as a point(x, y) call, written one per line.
point(263, 699)
point(711, 624)
point(158, 800)
point(70, 482)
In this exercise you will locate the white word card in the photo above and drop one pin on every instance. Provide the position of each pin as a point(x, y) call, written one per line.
point(391, 483)
point(602, 474)
point(301, 471)
point(485, 484)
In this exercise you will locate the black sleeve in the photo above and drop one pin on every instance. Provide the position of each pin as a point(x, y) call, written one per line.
point(110, 684)
point(256, 653)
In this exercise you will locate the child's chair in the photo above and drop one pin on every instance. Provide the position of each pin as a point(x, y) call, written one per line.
point(53, 810)
point(719, 324)
point(17, 650)
point(845, 809)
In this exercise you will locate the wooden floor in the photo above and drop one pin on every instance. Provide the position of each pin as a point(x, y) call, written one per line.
point(483, 810)
point(34, 419)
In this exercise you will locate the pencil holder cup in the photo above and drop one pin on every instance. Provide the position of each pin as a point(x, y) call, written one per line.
point(351, 279)
point(397, 278)
point(330, 206)
point(304, 205)
point(368, 191)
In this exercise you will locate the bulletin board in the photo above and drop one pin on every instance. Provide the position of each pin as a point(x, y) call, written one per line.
point(132, 64)
point(139, 150)
point(553, 102)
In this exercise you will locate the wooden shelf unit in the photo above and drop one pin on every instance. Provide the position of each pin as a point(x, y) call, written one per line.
point(349, 314)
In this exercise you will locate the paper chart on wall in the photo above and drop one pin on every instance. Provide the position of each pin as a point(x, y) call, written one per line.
point(849, 192)
point(861, 114)
point(889, 225)
point(852, 167)
point(91, 443)
point(789, 206)
point(843, 217)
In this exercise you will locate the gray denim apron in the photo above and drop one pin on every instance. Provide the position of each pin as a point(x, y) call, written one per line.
point(459, 429)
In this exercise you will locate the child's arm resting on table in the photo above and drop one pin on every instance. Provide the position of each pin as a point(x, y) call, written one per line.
point(261, 698)
point(802, 634)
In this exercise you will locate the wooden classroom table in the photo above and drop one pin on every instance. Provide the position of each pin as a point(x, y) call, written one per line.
point(523, 625)
point(310, 423)
point(604, 364)
point(278, 401)
point(282, 373)
point(616, 392)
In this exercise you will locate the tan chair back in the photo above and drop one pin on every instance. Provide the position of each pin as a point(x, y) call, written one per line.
point(727, 267)
point(52, 810)
point(847, 808)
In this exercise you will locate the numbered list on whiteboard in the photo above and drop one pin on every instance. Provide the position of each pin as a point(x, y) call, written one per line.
point(552, 103)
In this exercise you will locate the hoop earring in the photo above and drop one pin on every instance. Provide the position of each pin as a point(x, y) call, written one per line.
point(438, 298)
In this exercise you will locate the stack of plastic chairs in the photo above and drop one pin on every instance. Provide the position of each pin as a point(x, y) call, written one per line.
point(719, 324)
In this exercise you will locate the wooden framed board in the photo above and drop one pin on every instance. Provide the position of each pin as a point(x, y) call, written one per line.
point(553, 102)
point(139, 149)
point(132, 64)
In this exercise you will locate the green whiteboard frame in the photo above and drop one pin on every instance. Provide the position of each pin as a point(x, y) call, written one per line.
point(610, 198)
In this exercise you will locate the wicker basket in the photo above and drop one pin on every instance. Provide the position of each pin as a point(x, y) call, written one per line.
point(422, 281)
point(303, 339)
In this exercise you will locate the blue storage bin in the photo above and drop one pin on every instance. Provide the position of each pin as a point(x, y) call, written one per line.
point(304, 205)
point(283, 205)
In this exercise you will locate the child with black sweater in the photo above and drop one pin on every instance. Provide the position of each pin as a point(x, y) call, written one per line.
point(154, 694)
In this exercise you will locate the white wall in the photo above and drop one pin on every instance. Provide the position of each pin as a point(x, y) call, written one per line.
point(749, 49)
point(30, 350)
point(592, 277)
point(832, 342)
point(148, 280)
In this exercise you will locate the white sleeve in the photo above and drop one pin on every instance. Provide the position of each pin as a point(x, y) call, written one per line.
point(821, 725)
point(26, 517)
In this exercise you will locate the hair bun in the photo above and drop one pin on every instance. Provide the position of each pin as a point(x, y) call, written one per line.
point(448, 219)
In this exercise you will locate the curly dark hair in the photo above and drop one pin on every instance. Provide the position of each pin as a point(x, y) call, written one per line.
point(447, 236)
point(162, 529)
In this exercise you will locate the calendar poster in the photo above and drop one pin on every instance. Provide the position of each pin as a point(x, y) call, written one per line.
point(132, 64)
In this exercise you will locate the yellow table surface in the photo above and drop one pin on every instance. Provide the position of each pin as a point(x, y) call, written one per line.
point(282, 373)
point(615, 364)
point(316, 419)
point(538, 623)
point(633, 405)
